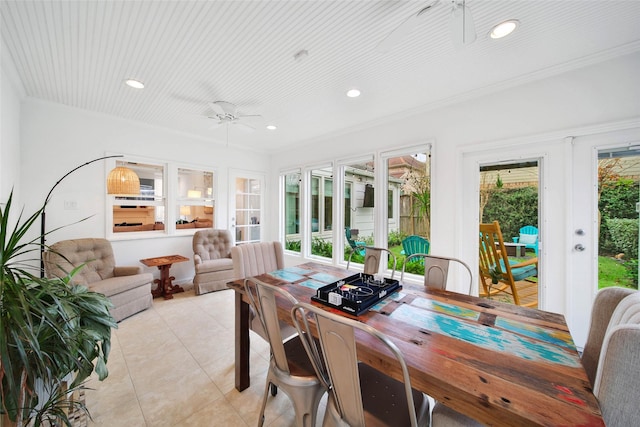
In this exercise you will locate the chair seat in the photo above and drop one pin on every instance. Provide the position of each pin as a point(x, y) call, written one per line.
point(299, 363)
point(520, 273)
point(213, 265)
point(376, 390)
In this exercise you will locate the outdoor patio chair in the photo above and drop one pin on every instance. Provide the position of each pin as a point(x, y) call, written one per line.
point(289, 366)
point(436, 270)
point(415, 245)
point(497, 269)
point(356, 245)
point(372, 257)
point(359, 395)
point(529, 237)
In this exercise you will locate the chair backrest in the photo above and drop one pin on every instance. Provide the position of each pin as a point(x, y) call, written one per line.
point(96, 254)
point(337, 363)
point(436, 270)
point(212, 244)
point(604, 305)
point(617, 382)
point(351, 234)
point(529, 230)
point(372, 258)
point(415, 245)
point(262, 298)
point(252, 259)
point(494, 262)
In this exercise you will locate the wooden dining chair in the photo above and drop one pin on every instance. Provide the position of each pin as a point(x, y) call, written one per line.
point(359, 395)
point(289, 366)
point(497, 269)
point(604, 305)
point(372, 258)
point(436, 270)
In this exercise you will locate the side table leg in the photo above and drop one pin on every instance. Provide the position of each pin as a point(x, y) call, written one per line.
point(241, 343)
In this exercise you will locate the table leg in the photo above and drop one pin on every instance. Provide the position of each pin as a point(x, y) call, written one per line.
point(165, 287)
point(241, 343)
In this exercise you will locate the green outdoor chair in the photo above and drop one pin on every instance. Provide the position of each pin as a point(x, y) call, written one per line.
point(356, 246)
point(415, 245)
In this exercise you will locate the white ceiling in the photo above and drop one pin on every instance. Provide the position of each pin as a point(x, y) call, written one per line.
point(189, 53)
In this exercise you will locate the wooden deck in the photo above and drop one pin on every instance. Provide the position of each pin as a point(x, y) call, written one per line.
point(528, 294)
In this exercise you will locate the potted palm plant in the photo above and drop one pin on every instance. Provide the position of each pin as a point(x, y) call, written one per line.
point(53, 335)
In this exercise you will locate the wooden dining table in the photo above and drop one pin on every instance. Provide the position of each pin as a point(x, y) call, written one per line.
point(498, 363)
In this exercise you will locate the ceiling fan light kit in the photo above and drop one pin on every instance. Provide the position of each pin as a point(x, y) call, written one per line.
point(226, 113)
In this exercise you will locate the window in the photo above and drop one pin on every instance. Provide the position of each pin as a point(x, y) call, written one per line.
point(291, 195)
point(321, 209)
point(358, 220)
point(146, 212)
point(408, 202)
point(195, 202)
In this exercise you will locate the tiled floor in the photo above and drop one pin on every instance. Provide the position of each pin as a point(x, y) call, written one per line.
point(173, 365)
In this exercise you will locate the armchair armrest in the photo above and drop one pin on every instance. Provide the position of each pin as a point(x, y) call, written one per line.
point(126, 271)
point(197, 259)
point(525, 263)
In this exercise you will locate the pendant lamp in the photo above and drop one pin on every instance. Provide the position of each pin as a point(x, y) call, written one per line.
point(123, 181)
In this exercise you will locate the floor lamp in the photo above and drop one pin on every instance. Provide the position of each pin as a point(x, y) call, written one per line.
point(121, 180)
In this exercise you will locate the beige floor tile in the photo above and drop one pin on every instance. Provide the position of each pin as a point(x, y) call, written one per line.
point(173, 365)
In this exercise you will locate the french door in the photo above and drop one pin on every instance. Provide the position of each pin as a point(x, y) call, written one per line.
point(246, 193)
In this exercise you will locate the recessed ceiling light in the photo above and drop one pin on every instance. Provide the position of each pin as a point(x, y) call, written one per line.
point(503, 29)
point(353, 93)
point(272, 127)
point(136, 84)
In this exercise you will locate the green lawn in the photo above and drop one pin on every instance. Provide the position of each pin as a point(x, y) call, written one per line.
point(612, 272)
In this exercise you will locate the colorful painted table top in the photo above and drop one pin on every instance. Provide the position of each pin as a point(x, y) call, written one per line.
point(498, 363)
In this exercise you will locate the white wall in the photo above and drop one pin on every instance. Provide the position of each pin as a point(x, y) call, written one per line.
point(530, 120)
point(56, 138)
point(11, 93)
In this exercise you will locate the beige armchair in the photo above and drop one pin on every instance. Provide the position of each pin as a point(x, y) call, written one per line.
point(212, 260)
point(128, 288)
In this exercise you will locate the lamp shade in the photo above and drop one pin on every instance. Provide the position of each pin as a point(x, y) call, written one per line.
point(123, 180)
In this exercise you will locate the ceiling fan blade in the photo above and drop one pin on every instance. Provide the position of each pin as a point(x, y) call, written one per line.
point(243, 126)
point(463, 29)
point(216, 123)
point(402, 31)
point(216, 108)
point(253, 120)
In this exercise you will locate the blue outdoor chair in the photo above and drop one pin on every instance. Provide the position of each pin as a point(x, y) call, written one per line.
point(529, 237)
point(415, 245)
point(356, 246)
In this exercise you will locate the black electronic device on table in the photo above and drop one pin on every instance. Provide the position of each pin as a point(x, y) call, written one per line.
point(356, 294)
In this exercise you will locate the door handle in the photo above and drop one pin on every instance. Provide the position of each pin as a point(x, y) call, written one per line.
point(579, 247)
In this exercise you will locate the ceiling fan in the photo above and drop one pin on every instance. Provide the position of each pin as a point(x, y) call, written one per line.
point(226, 113)
point(461, 24)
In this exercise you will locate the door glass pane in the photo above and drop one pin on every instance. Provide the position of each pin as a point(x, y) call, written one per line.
point(509, 194)
point(618, 197)
point(248, 210)
point(291, 184)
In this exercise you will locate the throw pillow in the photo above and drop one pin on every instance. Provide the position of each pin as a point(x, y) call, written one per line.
point(528, 239)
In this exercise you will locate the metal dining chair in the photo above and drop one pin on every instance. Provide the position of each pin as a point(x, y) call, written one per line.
point(359, 395)
point(436, 270)
point(372, 257)
point(289, 366)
